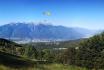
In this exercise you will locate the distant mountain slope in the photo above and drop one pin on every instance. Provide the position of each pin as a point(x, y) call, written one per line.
point(23, 31)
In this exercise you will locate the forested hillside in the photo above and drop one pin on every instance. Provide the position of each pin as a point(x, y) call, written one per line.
point(89, 53)
point(84, 53)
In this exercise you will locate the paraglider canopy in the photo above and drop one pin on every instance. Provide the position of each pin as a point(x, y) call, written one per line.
point(47, 13)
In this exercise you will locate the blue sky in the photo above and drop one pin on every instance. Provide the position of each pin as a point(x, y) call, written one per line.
point(71, 13)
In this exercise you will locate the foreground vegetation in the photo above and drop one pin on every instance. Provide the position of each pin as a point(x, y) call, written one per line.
point(86, 54)
point(10, 60)
point(45, 67)
point(89, 53)
point(13, 62)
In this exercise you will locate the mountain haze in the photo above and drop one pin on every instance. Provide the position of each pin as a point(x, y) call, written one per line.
point(22, 31)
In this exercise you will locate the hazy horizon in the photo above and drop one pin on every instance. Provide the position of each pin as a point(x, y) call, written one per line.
point(71, 13)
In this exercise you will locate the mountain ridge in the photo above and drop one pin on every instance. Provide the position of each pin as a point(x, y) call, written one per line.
point(41, 31)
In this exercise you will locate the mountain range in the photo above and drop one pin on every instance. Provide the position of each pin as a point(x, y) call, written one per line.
point(31, 31)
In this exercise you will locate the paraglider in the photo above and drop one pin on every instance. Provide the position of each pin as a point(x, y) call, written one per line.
point(47, 13)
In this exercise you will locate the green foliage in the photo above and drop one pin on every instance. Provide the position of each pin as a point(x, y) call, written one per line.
point(8, 46)
point(45, 67)
point(89, 54)
point(14, 61)
point(31, 52)
point(20, 51)
point(47, 55)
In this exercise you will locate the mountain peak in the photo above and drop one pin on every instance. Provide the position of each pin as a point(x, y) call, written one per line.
point(41, 31)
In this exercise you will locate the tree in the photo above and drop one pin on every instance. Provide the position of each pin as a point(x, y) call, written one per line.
point(90, 53)
point(47, 55)
point(31, 52)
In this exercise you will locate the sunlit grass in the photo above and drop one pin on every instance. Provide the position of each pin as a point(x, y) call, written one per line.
point(45, 67)
point(62, 67)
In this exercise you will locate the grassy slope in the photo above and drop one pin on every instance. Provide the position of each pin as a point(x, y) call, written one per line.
point(5, 42)
point(14, 61)
point(45, 67)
